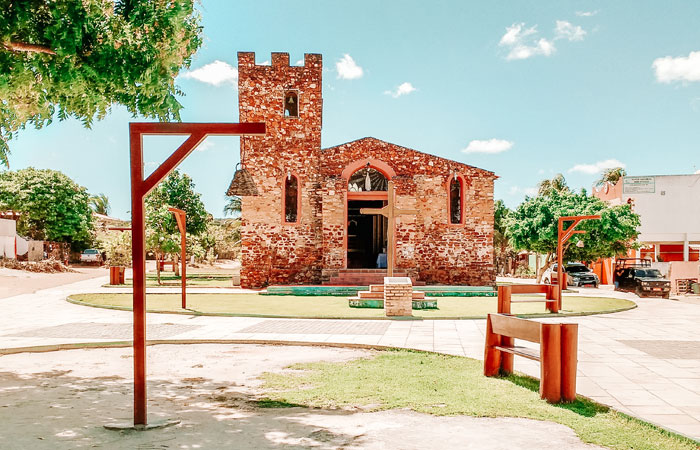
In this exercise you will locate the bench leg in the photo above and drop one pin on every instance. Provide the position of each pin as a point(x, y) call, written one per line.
point(504, 298)
point(492, 357)
point(550, 362)
point(569, 358)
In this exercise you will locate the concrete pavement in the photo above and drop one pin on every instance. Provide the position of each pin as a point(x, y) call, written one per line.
point(644, 362)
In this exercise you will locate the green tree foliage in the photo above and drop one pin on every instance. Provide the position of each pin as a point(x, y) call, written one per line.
point(556, 184)
point(233, 206)
point(611, 175)
point(176, 191)
point(76, 58)
point(502, 248)
point(533, 227)
point(53, 207)
point(100, 204)
point(118, 249)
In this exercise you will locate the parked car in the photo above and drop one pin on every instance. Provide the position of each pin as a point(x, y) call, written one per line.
point(91, 255)
point(576, 275)
point(643, 281)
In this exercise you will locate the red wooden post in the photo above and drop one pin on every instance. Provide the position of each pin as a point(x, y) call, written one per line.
point(569, 358)
point(504, 307)
point(550, 362)
point(140, 187)
point(492, 357)
point(181, 219)
point(563, 236)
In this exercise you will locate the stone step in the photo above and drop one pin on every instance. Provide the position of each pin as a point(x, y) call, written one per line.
point(369, 294)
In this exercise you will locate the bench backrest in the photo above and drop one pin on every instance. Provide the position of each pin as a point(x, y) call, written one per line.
point(529, 288)
point(524, 329)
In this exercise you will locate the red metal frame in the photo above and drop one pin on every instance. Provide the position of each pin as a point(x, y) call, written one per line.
point(563, 236)
point(181, 219)
point(140, 187)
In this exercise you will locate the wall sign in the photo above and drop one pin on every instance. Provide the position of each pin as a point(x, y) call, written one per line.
point(638, 185)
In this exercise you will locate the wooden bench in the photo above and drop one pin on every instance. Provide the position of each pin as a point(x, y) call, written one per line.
point(550, 290)
point(557, 355)
point(163, 263)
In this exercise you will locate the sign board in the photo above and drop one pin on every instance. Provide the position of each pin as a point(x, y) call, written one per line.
point(638, 185)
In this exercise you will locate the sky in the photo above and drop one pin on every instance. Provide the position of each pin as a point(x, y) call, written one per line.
point(525, 89)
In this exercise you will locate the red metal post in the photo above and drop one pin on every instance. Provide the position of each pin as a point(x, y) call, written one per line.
point(140, 187)
point(181, 219)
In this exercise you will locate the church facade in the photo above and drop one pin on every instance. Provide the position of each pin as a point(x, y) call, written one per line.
point(305, 225)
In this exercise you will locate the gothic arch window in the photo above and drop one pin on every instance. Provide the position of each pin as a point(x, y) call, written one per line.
point(367, 179)
point(291, 103)
point(291, 198)
point(455, 202)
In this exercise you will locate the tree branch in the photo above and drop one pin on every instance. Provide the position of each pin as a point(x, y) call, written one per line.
point(30, 48)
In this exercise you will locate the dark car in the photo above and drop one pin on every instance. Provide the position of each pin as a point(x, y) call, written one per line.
point(643, 281)
point(577, 275)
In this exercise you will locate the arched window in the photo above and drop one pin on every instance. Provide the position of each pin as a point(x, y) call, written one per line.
point(367, 179)
point(456, 201)
point(291, 198)
point(291, 104)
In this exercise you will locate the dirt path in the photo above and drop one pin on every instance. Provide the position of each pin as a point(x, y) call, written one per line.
point(17, 282)
point(61, 400)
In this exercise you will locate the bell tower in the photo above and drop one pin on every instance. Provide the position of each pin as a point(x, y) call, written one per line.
point(281, 227)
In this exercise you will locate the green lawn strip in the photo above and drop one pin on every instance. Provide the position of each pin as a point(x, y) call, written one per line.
point(193, 280)
point(450, 385)
point(336, 307)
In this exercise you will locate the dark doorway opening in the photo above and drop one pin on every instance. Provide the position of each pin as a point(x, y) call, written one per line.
point(366, 234)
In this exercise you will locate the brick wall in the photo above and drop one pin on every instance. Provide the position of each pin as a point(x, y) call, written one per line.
point(275, 252)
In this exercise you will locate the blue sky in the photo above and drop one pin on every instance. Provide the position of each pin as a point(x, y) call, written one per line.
point(528, 89)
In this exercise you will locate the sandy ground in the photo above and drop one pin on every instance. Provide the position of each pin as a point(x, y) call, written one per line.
point(61, 400)
point(17, 282)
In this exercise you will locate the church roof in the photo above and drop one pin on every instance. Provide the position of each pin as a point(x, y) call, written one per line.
point(384, 145)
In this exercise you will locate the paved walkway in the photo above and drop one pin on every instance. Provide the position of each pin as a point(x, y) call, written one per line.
point(644, 362)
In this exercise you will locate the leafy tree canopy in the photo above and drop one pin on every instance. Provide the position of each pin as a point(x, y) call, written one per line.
point(76, 58)
point(533, 226)
point(176, 191)
point(53, 207)
point(100, 204)
point(611, 175)
point(556, 184)
point(233, 206)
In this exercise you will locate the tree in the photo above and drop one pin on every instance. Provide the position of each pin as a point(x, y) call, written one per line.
point(176, 191)
point(502, 248)
point(533, 227)
point(100, 204)
point(233, 206)
point(556, 184)
point(76, 58)
point(611, 175)
point(53, 207)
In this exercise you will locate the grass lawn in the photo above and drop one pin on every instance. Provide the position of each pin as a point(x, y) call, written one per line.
point(336, 307)
point(450, 385)
point(168, 279)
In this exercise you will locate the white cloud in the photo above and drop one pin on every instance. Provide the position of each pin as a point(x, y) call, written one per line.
point(490, 146)
point(265, 63)
point(598, 167)
point(567, 30)
point(402, 89)
point(523, 42)
point(348, 69)
point(587, 13)
point(206, 145)
point(215, 73)
point(529, 191)
point(682, 68)
point(697, 172)
point(299, 63)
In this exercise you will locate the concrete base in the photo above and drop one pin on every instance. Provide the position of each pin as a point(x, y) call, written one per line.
point(153, 425)
point(356, 302)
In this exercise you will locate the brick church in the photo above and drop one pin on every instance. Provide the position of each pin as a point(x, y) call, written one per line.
point(305, 227)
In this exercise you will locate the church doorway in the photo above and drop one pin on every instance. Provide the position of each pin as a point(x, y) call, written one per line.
point(366, 236)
